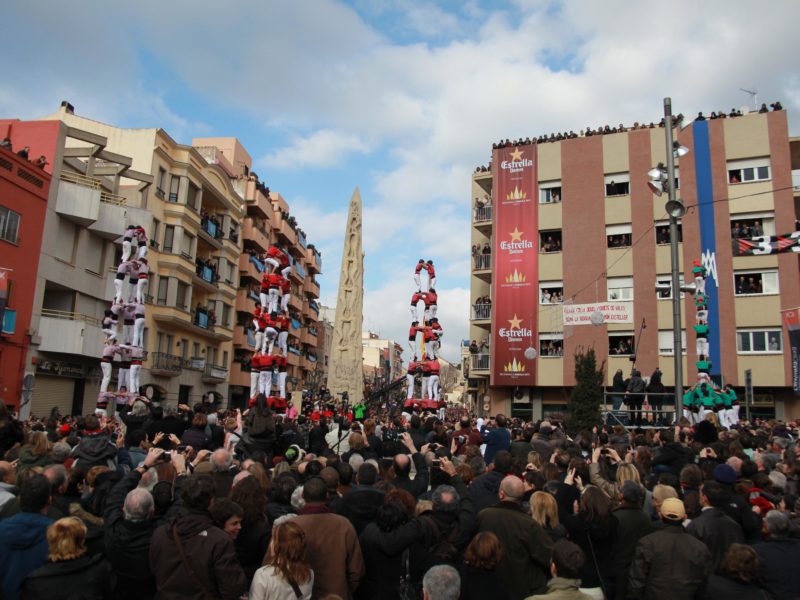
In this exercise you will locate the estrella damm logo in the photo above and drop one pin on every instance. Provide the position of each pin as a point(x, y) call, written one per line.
point(514, 367)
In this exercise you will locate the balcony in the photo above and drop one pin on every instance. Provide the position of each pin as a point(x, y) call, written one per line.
point(295, 302)
point(481, 312)
point(79, 198)
point(482, 217)
point(243, 338)
point(206, 278)
point(214, 374)
point(301, 239)
point(182, 262)
point(166, 365)
point(189, 322)
point(70, 333)
point(111, 217)
point(255, 235)
point(482, 262)
point(210, 233)
point(286, 233)
point(250, 266)
point(314, 307)
point(314, 259)
point(479, 364)
point(311, 287)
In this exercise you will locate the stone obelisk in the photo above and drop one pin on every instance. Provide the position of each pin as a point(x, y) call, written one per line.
point(345, 368)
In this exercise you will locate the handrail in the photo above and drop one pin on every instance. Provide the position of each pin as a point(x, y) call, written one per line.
point(79, 179)
point(114, 199)
point(70, 316)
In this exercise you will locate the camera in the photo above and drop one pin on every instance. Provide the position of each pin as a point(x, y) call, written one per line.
point(166, 457)
point(461, 439)
point(436, 463)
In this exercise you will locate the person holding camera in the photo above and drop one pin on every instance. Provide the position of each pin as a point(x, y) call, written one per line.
point(496, 436)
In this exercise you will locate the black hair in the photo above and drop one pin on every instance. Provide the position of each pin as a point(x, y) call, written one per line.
point(367, 474)
point(198, 492)
point(715, 493)
point(35, 494)
point(568, 559)
point(315, 490)
point(390, 516)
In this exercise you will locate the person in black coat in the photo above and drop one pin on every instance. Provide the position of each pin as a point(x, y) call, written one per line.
point(712, 526)
point(479, 579)
point(360, 504)
point(778, 557)
point(738, 576)
point(632, 525)
point(69, 568)
point(383, 570)
point(10, 431)
point(672, 456)
point(485, 489)
point(129, 526)
point(196, 436)
point(401, 464)
point(253, 539)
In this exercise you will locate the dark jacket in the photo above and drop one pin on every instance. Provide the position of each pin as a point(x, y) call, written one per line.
point(417, 436)
point(211, 555)
point(166, 425)
point(526, 565)
point(717, 531)
point(94, 450)
point(196, 438)
point(632, 525)
point(597, 541)
point(359, 505)
point(485, 488)
point(730, 589)
point(82, 578)
point(23, 549)
point(127, 544)
point(673, 456)
point(496, 439)
point(669, 564)
point(316, 439)
point(480, 584)
point(382, 569)
point(519, 451)
point(251, 545)
point(779, 560)
point(418, 485)
point(10, 434)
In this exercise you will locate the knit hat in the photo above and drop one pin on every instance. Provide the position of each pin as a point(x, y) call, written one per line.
point(673, 509)
point(724, 474)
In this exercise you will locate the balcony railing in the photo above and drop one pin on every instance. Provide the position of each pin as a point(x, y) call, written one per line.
point(71, 316)
point(201, 319)
point(216, 372)
point(166, 362)
point(210, 228)
point(300, 270)
point(483, 214)
point(301, 238)
point(114, 199)
point(481, 311)
point(313, 306)
point(294, 350)
point(206, 273)
point(483, 261)
point(480, 362)
point(79, 179)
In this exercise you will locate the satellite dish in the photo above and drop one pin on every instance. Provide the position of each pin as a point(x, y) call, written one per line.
point(530, 353)
point(597, 317)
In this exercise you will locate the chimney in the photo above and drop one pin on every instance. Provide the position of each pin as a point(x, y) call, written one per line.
point(68, 108)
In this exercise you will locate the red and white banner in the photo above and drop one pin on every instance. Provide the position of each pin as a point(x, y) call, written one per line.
point(515, 293)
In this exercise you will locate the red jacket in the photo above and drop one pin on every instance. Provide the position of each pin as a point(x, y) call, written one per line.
point(431, 270)
point(274, 280)
point(433, 366)
point(416, 298)
point(430, 298)
point(286, 286)
point(412, 333)
point(282, 323)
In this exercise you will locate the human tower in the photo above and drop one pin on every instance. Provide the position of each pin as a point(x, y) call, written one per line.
point(424, 363)
point(128, 304)
point(271, 321)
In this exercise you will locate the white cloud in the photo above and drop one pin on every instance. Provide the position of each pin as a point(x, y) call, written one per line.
point(323, 148)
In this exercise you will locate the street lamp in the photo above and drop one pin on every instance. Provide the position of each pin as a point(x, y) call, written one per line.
point(661, 181)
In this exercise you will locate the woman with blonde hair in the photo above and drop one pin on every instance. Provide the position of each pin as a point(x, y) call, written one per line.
point(35, 453)
point(69, 567)
point(285, 574)
point(544, 511)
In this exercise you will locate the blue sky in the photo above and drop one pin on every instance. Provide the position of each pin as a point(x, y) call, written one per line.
point(398, 97)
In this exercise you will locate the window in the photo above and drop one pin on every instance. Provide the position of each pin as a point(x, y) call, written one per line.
point(618, 184)
point(748, 171)
point(224, 364)
point(174, 186)
point(621, 344)
point(750, 225)
point(759, 341)
point(755, 283)
point(620, 288)
point(665, 343)
point(184, 348)
point(182, 300)
point(9, 225)
point(195, 350)
point(551, 345)
point(550, 192)
point(169, 237)
point(162, 175)
point(550, 241)
point(169, 344)
point(193, 197)
point(618, 236)
point(154, 233)
point(163, 286)
point(226, 315)
point(662, 233)
point(667, 280)
point(159, 341)
point(551, 292)
point(186, 245)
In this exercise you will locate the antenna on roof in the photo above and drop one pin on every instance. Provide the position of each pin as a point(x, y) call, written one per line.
point(753, 94)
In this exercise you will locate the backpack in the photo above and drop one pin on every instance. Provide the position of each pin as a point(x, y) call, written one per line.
point(443, 550)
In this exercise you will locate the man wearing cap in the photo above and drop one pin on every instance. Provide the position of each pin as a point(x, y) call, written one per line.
point(669, 563)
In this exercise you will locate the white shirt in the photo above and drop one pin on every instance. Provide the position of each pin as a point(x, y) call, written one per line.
point(268, 584)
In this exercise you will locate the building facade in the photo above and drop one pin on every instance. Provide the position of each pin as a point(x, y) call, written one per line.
point(24, 189)
point(591, 231)
point(383, 359)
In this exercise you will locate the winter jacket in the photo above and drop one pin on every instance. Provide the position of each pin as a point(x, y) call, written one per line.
point(382, 569)
point(23, 549)
point(480, 584)
point(632, 525)
point(332, 550)
point(779, 560)
point(127, 544)
point(597, 542)
point(211, 555)
point(719, 586)
point(28, 460)
point(251, 545)
point(496, 439)
point(83, 578)
point(673, 456)
point(669, 564)
point(95, 450)
point(10, 434)
point(419, 485)
point(360, 505)
point(484, 490)
point(525, 567)
point(717, 531)
point(196, 438)
point(559, 588)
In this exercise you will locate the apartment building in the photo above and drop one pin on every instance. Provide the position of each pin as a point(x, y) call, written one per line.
point(586, 229)
point(383, 359)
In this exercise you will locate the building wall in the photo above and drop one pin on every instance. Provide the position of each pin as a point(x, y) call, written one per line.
point(582, 166)
point(19, 261)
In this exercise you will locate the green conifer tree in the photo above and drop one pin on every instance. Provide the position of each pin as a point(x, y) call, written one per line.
point(587, 395)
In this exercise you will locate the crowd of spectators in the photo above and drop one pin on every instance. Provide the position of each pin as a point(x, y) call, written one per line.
point(202, 502)
point(40, 162)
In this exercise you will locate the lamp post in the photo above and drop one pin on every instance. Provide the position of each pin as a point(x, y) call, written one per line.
point(675, 209)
